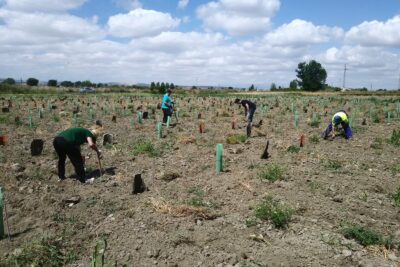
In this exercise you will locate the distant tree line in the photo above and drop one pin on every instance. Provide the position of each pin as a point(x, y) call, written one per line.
point(161, 88)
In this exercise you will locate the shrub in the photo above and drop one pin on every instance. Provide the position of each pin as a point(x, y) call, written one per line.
point(272, 173)
point(270, 209)
point(236, 139)
point(314, 121)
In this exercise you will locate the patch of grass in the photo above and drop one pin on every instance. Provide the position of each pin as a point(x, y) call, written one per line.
point(365, 236)
point(314, 139)
point(272, 173)
point(45, 252)
point(236, 139)
point(5, 120)
point(396, 168)
point(272, 210)
point(377, 143)
point(395, 138)
point(250, 222)
point(396, 197)
point(145, 147)
point(293, 149)
point(332, 164)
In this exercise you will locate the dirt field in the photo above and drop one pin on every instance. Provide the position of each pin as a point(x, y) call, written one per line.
point(191, 215)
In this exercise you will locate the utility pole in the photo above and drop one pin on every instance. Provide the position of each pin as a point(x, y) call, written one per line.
point(344, 76)
point(398, 87)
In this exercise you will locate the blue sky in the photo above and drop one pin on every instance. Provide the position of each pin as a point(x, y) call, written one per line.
point(200, 42)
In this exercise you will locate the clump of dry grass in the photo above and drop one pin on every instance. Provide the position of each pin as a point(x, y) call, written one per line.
point(164, 207)
point(183, 139)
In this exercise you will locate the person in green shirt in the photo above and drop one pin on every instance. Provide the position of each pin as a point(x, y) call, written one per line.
point(67, 143)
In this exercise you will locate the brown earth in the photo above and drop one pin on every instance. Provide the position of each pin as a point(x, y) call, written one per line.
point(162, 226)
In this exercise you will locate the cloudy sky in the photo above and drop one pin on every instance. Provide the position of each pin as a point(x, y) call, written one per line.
point(200, 42)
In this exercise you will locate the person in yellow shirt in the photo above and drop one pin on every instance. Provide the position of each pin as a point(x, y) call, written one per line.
point(341, 118)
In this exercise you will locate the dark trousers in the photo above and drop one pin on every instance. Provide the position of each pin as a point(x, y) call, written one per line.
point(64, 149)
point(167, 112)
point(346, 127)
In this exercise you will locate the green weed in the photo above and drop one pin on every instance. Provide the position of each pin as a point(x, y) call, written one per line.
point(250, 222)
point(293, 149)
point(377, 143)
point(396, 168)
point(314, 139)
point(332, 164)
point(145, 147)
point(272, 210)
point(271, 173)
point(365, 236)
point(45, 252)
point(396, 197)
point(236, 139)
point(395, 138)
point(314, 121)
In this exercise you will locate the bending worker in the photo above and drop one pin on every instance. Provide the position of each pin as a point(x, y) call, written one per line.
point(341, 118)
point(249, 109)
point(67, 143)
point(166, 105)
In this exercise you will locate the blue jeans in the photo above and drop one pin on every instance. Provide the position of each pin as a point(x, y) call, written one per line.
point(250, 115)
point(346, 127)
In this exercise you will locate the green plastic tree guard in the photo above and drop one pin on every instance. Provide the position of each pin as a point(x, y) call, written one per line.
point(1, 214)
point(139, 117)
point(159, 130)
point(168, 121)
point(218, 159)
point(296, 119)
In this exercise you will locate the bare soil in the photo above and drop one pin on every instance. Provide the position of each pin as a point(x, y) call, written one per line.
point(164, 226)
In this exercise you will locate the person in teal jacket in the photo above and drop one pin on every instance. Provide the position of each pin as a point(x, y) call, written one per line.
point(166, 105)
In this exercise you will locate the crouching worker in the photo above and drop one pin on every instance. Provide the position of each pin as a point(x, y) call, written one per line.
point(68, 142)
point(249, 109)
point(341, 118)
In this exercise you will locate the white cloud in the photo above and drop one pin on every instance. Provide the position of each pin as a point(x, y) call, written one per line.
point(30, 28)
point(238, 17)
point(129, 4)
point(376, 33)
point(300, 32)
point(140, 23)
point(43, 5)
point(183, 3)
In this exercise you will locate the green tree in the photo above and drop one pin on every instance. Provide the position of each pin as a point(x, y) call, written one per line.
point(273, 87)
point(312, 76)
point(293, 85)
point(32, 82)
point(251, 88)
point(152, 87)
point(161, 89)
point(172, 86)
point(86, 83)
point(52, 83)
point(78, 84)
point(9, 81)
point(167, 86)
point(66, 84)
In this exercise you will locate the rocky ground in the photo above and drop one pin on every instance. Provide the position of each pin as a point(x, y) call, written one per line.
point(191, 215)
